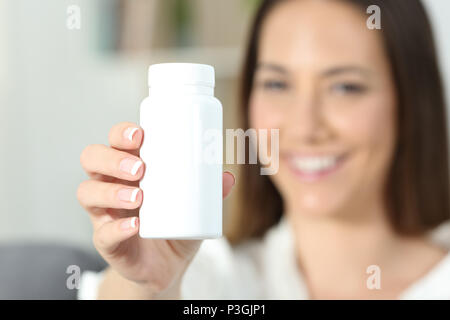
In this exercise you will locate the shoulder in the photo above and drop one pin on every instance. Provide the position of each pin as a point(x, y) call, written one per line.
point(431, 285)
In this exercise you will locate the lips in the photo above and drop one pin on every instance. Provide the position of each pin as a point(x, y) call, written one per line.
point(313, 167)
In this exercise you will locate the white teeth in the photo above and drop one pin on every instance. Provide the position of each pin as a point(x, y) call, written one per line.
point(314, 164)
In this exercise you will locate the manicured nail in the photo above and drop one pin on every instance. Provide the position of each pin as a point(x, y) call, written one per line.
point(232, 174)
point(129, 223)
point(129, 133)
point(128, 194)
point(130, 165)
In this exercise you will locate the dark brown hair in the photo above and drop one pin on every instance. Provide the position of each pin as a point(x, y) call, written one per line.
point(417, 190)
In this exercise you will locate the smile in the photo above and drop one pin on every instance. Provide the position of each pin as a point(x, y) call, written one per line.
point(312, 168)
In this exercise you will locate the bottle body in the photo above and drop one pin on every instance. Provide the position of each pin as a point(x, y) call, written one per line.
point(182, 189)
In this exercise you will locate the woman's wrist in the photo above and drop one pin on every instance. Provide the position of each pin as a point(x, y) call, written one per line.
point(114, 286)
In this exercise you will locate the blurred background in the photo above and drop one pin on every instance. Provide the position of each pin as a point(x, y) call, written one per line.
point(63, 89)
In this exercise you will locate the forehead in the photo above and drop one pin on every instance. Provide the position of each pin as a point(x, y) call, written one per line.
point(309, 33)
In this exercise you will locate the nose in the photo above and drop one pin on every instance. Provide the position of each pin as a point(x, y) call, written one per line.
point(307, 120)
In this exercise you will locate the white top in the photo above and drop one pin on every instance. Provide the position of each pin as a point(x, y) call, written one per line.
point(266, 269)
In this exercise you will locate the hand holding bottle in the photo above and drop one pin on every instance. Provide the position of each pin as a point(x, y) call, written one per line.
point(112, 198)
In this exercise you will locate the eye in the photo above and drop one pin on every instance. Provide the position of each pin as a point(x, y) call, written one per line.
point(348, 88)
point(274, 85)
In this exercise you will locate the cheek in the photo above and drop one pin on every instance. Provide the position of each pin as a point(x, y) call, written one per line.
point(365, 120)
point(377, 126)
point(263, 115)
point(369, 127)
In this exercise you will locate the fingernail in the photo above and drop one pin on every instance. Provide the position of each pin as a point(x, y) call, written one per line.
point(232, 174)
point(129, 223)
point(130, 165)
point(129, 133)
point(128, 194)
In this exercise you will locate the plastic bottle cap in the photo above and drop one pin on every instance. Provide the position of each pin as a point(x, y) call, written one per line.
point(181, 74)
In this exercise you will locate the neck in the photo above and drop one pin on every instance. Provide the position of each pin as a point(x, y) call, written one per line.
point(335, 251)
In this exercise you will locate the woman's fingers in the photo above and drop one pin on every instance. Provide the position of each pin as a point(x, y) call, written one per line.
point(93, 193)
point(126, 136)
point(227, 183)
point(98, 158)
point(100, 194)
point(109, 235)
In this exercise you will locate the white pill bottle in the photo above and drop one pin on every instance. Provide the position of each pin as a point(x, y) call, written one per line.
point(182, 150)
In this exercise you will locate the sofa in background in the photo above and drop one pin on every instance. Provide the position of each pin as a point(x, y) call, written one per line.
point(39, 271)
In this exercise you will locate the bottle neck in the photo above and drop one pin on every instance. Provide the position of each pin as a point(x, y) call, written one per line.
point(181, 89)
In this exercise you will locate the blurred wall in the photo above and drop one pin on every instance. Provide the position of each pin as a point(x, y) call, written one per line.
point(58, 96)
point(439, 11)
point(61, 90)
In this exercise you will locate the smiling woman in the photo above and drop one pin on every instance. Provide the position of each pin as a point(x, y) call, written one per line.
point(363, 138)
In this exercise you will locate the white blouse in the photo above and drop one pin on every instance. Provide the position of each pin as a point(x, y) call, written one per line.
point(266, 269)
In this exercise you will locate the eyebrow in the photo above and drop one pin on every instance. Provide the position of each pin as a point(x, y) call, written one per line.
point(271, 66)
point(345, 69)
point(327, 73)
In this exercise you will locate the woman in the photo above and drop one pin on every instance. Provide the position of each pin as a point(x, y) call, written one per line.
point(363, 173)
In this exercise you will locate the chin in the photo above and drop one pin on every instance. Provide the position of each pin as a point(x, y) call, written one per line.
point(320, 199)
point(317, 204)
